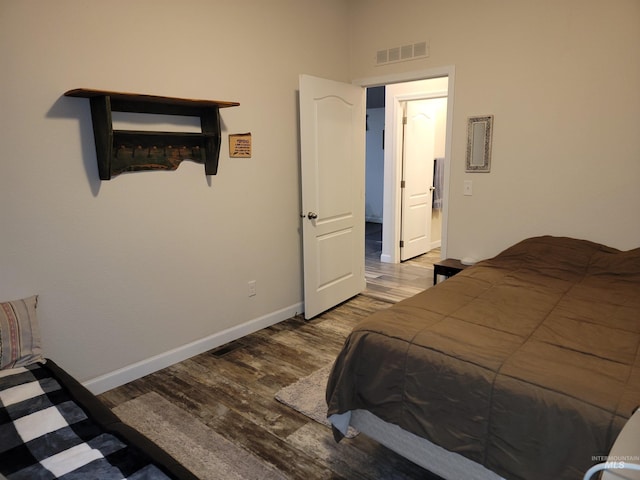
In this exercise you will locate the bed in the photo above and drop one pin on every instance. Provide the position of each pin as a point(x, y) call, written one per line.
point(524, 366)
point(53, 427)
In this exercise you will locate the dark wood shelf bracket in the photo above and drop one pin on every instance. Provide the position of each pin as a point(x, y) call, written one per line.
point(119, 151)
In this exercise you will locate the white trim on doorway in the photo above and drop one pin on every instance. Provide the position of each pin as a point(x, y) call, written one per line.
point(391, 222)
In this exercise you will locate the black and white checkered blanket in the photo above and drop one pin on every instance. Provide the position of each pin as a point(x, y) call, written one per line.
point(45, 434)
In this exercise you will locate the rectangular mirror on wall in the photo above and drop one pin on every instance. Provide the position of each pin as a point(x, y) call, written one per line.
point(479, 133)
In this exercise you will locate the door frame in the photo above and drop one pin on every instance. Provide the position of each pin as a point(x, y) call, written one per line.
point(393, 169)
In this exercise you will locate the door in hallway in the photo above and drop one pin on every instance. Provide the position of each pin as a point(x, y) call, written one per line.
point(417, 178)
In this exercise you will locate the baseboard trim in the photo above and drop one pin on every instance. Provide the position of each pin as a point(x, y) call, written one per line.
point(145, 367)
point(385, 258)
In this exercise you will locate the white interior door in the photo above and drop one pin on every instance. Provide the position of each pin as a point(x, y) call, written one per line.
point(332, 137)
point(417, 179)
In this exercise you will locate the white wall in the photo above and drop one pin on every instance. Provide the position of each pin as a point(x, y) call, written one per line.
point(440, 141)
point(148, 262)
point(561, 79)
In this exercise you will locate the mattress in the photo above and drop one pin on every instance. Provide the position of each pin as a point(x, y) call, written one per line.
point(527, 363)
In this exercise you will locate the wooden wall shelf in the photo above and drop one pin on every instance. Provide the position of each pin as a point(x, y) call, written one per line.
point(121, 151)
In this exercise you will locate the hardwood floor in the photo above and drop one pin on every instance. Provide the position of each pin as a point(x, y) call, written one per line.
point(231, 389)
point(390, 281)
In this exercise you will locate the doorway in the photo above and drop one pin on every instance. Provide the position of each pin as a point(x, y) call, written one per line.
point(320, 137)
point(386, 107)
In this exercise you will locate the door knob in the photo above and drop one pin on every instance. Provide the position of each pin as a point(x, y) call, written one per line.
point(312, 215)
point(431, 189)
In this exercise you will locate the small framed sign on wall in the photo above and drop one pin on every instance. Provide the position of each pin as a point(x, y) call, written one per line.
point(240, 145)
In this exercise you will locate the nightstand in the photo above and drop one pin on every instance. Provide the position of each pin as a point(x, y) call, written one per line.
point(447, 268)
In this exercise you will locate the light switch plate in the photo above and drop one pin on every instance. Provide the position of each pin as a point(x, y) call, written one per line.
point(468, 187)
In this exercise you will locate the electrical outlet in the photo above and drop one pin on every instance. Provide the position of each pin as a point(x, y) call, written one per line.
point(252, 288)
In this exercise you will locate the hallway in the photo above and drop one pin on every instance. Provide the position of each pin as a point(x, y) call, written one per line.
point(393, 282)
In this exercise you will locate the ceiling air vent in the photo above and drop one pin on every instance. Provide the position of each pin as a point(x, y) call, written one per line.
point(404, 53)
point(420, 49)
point(382, 56)
point(394, 54)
